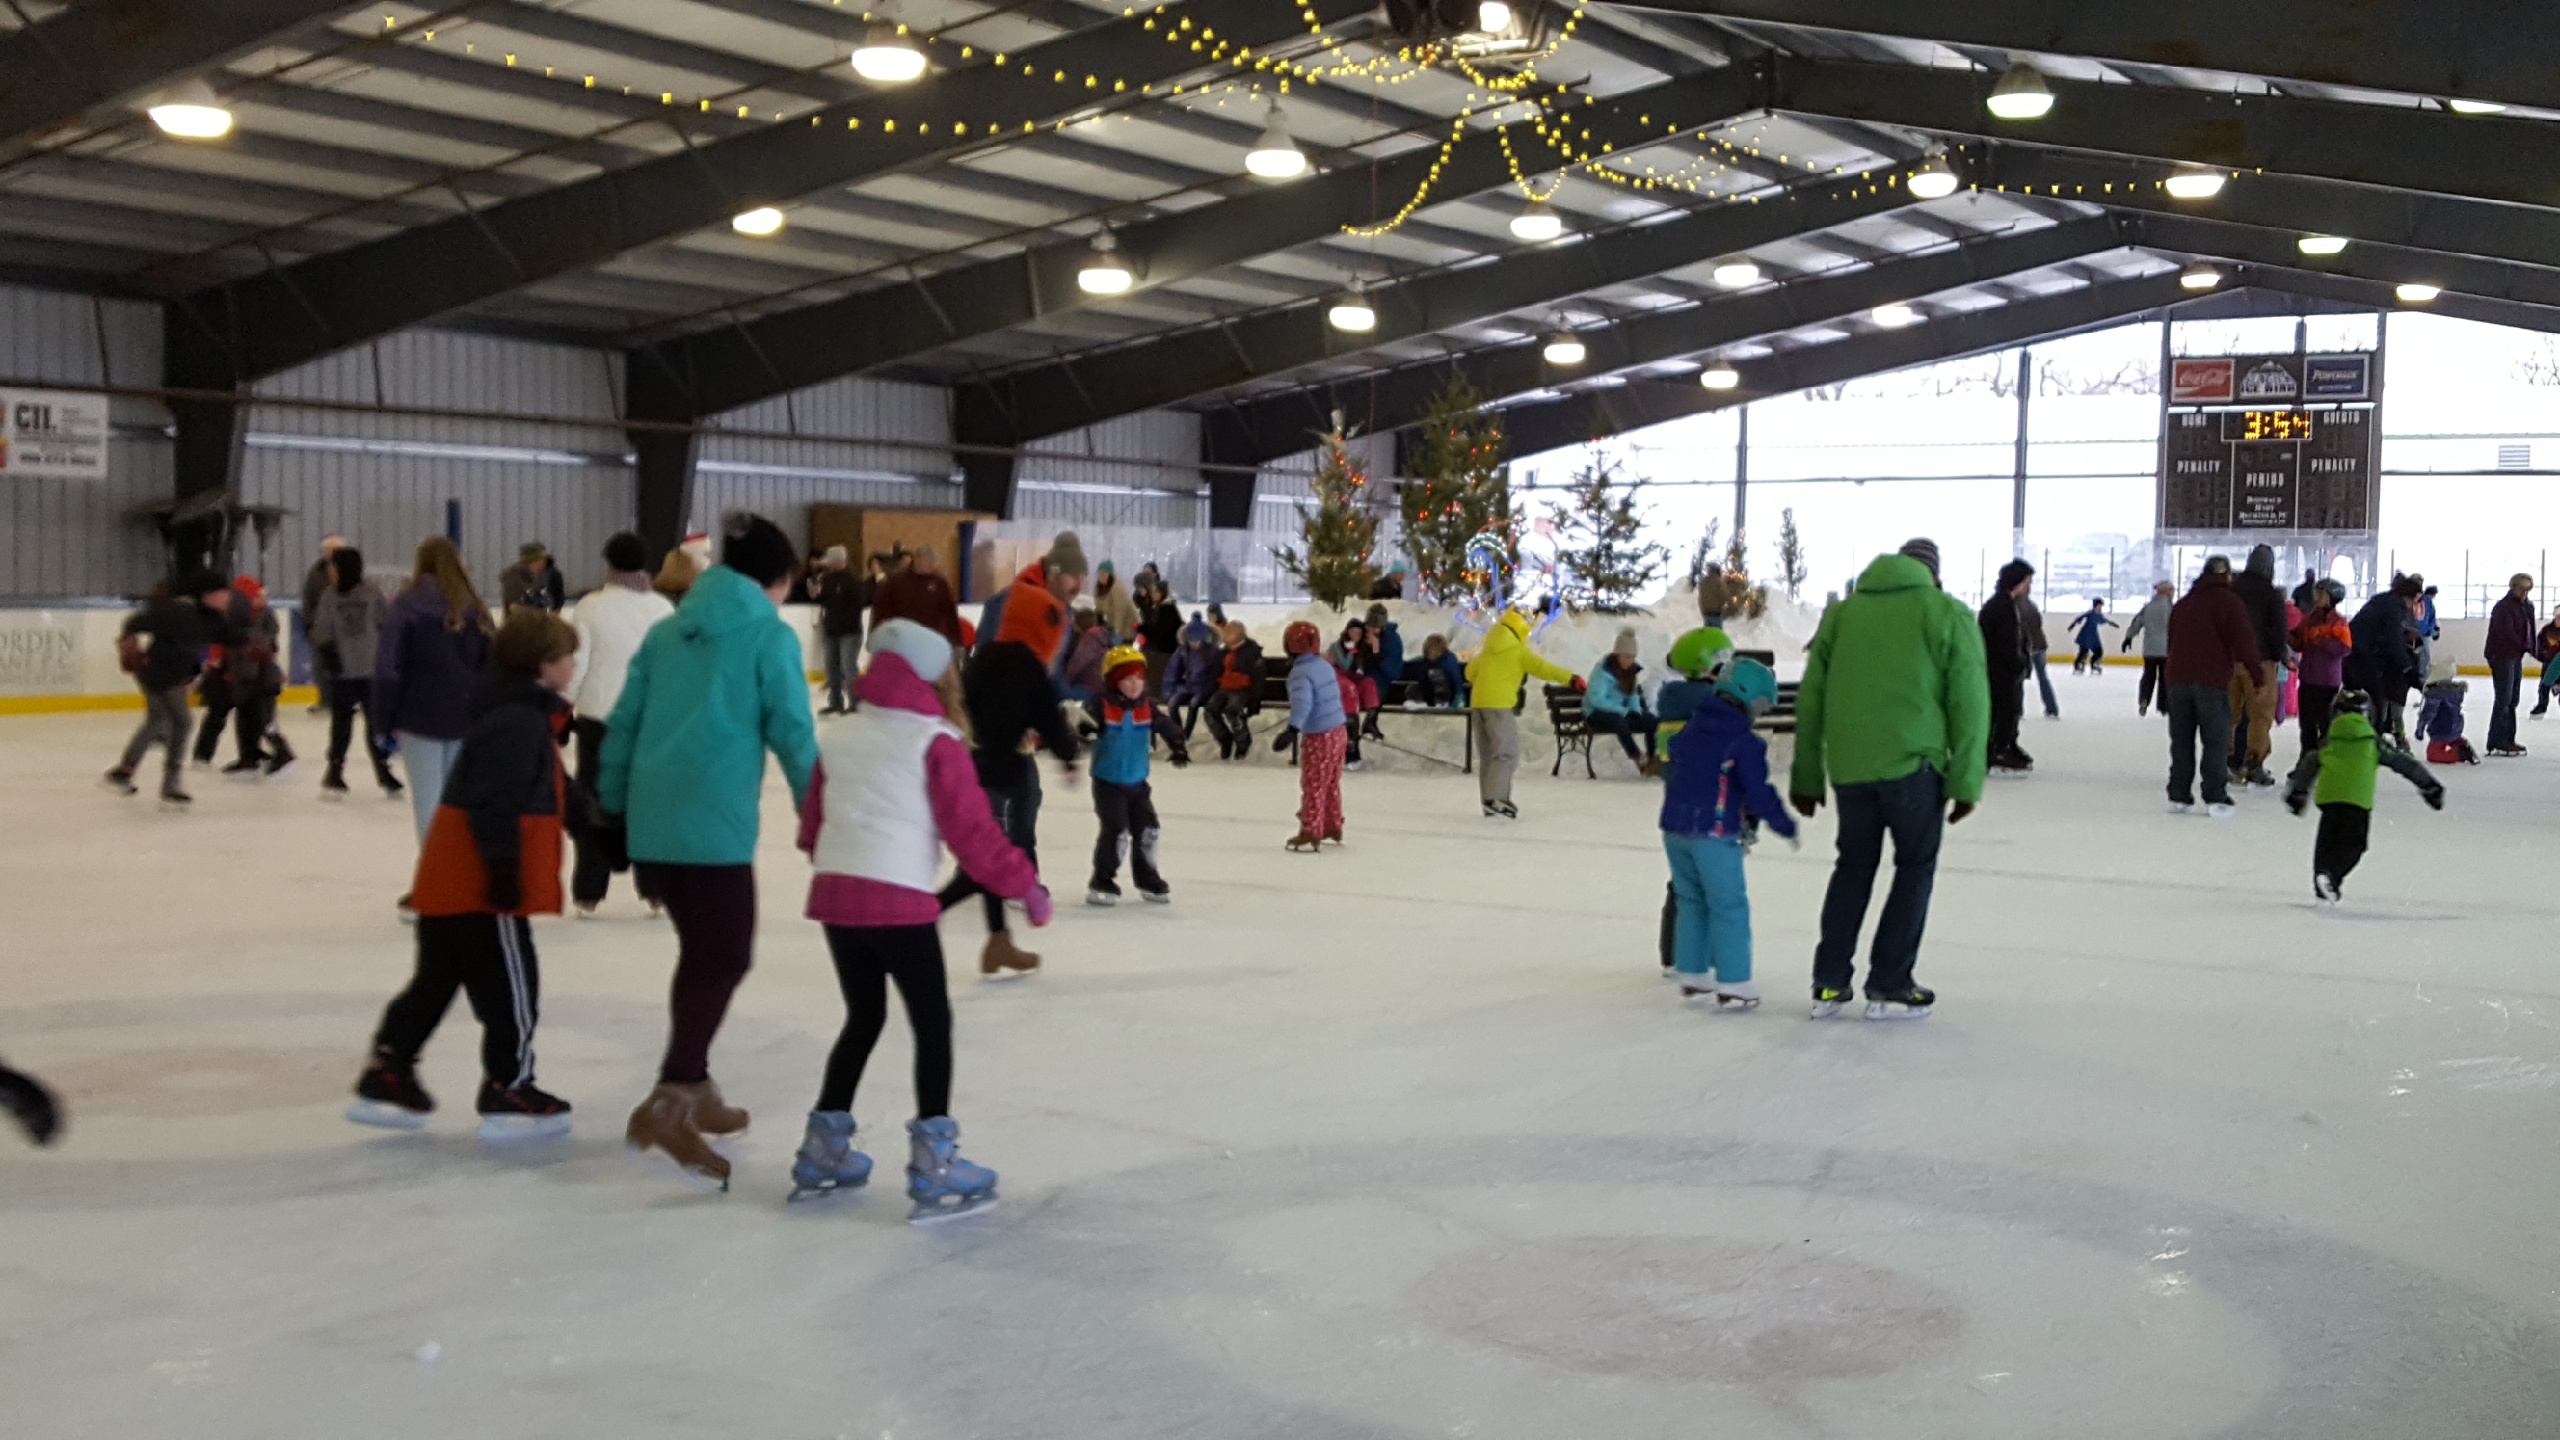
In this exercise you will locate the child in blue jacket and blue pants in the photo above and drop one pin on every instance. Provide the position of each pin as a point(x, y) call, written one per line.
point(1719, 779)
point(1128, 723)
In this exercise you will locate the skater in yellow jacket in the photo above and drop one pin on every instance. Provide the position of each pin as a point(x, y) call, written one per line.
point(1494, 681)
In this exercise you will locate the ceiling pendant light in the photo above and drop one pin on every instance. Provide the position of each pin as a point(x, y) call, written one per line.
point(887, 56)
point(191, 112)
point(1894, 316)
point(2199, 277)
point(1537, 223)
point(2021, 94)
point(2417, 292)
point(1737, 275)
point(1720, 377)
point(1493, 17)
point(2474, 107)
point(2321, 244)
point(1275, 156)
point(2194, 184)
point(1564, 348)
point(1353, 313)
point(1104, 272)
point(761, 221)
point(1935, 179)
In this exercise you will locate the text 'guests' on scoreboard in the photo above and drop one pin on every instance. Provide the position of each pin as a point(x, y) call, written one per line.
point(2270, 442)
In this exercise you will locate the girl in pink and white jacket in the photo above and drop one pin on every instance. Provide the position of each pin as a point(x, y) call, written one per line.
point(894, 785)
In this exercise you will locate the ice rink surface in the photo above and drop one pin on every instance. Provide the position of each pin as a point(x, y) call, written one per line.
point(1402, 1140)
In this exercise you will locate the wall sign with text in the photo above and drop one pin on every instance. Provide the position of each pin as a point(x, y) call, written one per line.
point(53, 435)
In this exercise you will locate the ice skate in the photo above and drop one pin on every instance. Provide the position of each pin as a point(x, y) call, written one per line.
point(2222, 809)
point(2507, 752)
point(2325, 887)
point(1161, 894)
point(392, 789)
point(1827, 1000)
point(2182, 807)
point(665, 1121)
point(714, 1115)
point(333, 786)
point(1333, 836)
point(1737, 997)
point(280, 762)
point(24, 1099)
point(390, 1099)
point(120, 780)
point(583, 909)
point(2434, 796)
point(176, 801)
point(2297, 801)
point(2259, 777)
point(1103, 893)
point(827, 1161)
point(526, 1112)
point(1911, 1004)
point(942, 1185)
point(243, 772)
point(1306, 840)
point(1693, 987)
point(1004, 960)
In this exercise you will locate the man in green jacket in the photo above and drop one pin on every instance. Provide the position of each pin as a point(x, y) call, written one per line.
point(712, 688)
point(1895, 711)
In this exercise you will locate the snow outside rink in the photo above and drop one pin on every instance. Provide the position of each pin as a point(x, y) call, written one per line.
point(1403, 1140)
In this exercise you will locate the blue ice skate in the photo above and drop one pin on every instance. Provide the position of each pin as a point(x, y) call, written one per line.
point(942, 1185)
point(827, 1161)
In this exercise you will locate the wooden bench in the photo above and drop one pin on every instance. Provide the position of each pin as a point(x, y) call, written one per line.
point(1275, 695)
point(1573, 730)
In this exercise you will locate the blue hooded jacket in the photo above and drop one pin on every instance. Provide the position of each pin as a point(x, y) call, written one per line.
point(1315, 695)
point(714, 686)
point(1719, 772)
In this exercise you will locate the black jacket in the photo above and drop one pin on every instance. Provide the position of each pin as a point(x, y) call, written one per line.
point(842, 596)
point(1009, 694)
point(2381, 663)
point(1160, 625)
point(505, 772)
point(2259, 597)
point(179, 631)
point(2004, 636)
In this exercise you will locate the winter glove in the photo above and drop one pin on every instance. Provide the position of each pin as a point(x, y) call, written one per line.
point(1037, 906)
point(506, 892)
point(2434, 795)
point(1805, 804)
point(1180, 757)
point(609, 835)
point(1580, 685)
point(387, 744)
point(1959, 810)
point(1287, 737)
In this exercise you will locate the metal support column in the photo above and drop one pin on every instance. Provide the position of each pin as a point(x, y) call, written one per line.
point(1741, 473)
point(2018, 459)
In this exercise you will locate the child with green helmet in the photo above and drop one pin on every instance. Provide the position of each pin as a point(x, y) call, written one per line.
point(1717, 785)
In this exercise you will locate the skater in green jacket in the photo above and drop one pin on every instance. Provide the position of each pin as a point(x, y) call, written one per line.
point(2350, 761)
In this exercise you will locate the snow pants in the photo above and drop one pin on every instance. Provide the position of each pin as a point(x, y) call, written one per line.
point(1712, 935)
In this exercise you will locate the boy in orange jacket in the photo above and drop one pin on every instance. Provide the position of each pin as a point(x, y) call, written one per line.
point(491, 861)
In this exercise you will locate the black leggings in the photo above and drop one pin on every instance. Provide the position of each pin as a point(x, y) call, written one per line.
point(1017, 813)
point(865, 955)
point(347, 695)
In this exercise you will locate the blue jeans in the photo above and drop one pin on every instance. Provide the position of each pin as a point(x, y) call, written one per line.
point(1627, 727)
point(2044, 684)
point(429, 760)
point(2506, 681)
point(1712, 935)
point(844, 662)
point(1913, 810)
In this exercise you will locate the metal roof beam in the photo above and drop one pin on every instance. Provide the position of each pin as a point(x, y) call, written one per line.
point(285, 317)
point(2482, 49)
point(102, 54)
point(737, 366)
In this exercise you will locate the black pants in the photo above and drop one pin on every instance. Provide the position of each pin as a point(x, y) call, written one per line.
point(1017, 812)
point(2154, 668)
point(1185, 710)
point(911, 955)
point(1626, 728)
point(217, 714)
point(714, 910)
point(2008, 706)
point(488, 957)
point(347, 695)
point(2344, 829)
point(1230, 716)
point(592, 875)
point(1128, 814)
point(2093, 657)
point(2199, 721)
point(1670, 924)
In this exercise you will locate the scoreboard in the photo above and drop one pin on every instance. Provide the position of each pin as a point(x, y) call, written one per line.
point(2270, 442)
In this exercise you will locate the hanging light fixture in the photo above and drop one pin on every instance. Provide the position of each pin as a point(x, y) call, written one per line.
point(1720, 377)
point(1894, 316)
point(2199, 277)
point(191, 112)
point(2417, 292)
point(1935, 179)
point(887, 56)
point(1275, 156)
point(1737, 275)
point(1353, 313)
point(1564, 348)
point(2194, 184)
point(1103, 271)
point(1493, 17)
point(2474, 107)
point(2020, 94)
point(2321, 244)
point(761, 221)
point(1537, 222)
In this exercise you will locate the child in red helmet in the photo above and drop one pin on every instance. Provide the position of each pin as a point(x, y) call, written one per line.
point(1317, 722)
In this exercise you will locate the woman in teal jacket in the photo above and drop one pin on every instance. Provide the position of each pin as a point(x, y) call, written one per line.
point(713, 688)
point(1614, 703)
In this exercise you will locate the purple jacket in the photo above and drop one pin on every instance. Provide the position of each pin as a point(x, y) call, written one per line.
point(423, 673)
point(2510, 630)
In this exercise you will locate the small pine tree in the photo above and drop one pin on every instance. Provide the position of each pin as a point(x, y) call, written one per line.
point(1703, 557)
point(1602, 552)
point(1339, 532)
point(1460, 490)
point(1791, 566)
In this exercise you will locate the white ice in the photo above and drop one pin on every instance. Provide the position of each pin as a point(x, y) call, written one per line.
point(1406, 1139)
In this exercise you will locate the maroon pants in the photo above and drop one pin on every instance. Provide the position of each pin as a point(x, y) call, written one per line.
point(714, 910)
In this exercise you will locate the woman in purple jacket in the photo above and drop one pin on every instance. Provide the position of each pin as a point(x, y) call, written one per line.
point(434, 646)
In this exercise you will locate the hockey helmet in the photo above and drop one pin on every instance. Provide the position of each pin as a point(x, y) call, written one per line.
point(1749, 684)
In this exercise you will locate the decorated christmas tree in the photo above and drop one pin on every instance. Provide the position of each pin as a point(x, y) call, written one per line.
point(1602, 552)
point(1335, 564)
point(1459, 492)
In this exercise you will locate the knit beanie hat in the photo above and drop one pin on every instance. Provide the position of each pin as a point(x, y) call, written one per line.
point(921, 646)
point(1377, 617)
point(756, 548)
point(1197, 632)
point(627, 552)
point(1066, 555)
point(1924, 550)
point(1301, 638)
point(1626, 644)
point(532, 550)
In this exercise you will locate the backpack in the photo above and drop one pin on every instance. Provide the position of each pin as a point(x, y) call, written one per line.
point(129, 654)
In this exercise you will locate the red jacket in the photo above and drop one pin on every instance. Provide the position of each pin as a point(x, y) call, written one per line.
point(2209, 634)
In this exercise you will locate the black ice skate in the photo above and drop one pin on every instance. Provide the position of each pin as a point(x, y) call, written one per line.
point(390, 1099)
point(120, 780)
point(526, 1112)
point(1911, 1004)
point(1827, 1000)
point(26, 1101)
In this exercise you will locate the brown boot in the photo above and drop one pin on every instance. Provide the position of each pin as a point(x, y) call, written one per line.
point(665, 1121)
point(713, 1115)
point(1306, 840)
point(1002, 959)
point(1334, 835)
point(1649, 767)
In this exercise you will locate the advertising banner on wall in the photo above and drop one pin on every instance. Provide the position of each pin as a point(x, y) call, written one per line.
point(52, 435)
point(40, 652)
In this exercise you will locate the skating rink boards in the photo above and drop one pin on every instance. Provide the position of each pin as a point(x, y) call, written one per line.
point(1403, 1140)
